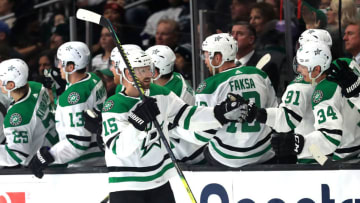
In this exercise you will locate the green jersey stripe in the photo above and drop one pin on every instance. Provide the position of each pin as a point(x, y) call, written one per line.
point(332, 140)
point(188, 117)
point(87, 156)
point(13, 155)
point(201, 138)
point(77, 146)
point(142, 178)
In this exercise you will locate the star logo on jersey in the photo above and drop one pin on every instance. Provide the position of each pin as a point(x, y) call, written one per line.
point(155, 51)
point(73, 98)
point(201, 87)
point(317, 96)
point(317, 52)
point(108, 105)
point(15, 119)
point(151, 140)
point(218, 38)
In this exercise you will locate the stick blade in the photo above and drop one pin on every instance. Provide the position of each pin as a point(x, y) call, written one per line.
point(87, 15)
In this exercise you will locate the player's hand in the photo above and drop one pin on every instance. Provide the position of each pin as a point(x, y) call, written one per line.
point(93, 120)
point(345, 77)
point(231, 109)
point(285, 144)
point(40, 161)
point(144, 113)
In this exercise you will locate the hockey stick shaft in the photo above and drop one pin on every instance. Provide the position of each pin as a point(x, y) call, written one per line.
point(98, 19)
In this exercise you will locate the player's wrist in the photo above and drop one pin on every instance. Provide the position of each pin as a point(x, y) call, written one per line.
point(261, 115)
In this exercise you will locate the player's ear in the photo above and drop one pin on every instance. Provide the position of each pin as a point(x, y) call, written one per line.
point(128, 75)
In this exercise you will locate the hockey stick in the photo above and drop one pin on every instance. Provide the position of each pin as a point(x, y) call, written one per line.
point(263, 61)
point(90, 16)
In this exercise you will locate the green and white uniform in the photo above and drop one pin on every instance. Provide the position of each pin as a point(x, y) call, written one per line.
point(238, 144)
point(336, 123)
point(27, 124)
point(77, 146)
point(295, 110)
point(184, 149)
point(137, 160)
point(4, 105)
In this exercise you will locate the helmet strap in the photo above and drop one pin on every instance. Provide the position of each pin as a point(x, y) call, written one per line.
point(214, 67)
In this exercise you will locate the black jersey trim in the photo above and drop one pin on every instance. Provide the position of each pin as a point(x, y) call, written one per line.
point(139, 169)
point(337, 132)
point(246, 149)
point(178, 115)
point(108, 143)
point(79, 138)
point(347, 150)
point(20, 152)
point(293, 114)
point(193, 155)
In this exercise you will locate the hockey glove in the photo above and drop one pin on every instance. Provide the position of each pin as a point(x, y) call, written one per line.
point(144, 113)
point(230, 109)
point(40, 161)
point(345, 77)
point(286, 144)
point(93, 121)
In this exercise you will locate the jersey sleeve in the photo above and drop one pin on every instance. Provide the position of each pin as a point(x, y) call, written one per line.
point(356, 101)
point(17, 147)
point(294, 103)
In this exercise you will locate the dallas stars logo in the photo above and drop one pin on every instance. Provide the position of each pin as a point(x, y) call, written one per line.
point(152, 139)
point(311, 31)
point(73, 98)
point(108, 105)
point(201, 87)
point(15, 119)
point(11, 68)
point(156, 51)
point(317, 97)
point(317, 52)
point(218, 38)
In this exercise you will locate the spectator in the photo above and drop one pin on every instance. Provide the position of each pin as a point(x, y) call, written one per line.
point(59, 36)
point(6, 7)
point(313, 18)
point(108, 79)
point(167, 33)
point(240, 9)
point(245, 35)
point(25, 129)
point(102, 61)
point(263, 19)
point(352, 40)
point(6, 51)
point(183, 62)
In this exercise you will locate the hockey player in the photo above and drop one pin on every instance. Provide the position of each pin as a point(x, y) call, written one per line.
point(235, 144)
point(336, 131)
point(28, 124)
point(84, 91)
point(162, 66)
point(139, 165)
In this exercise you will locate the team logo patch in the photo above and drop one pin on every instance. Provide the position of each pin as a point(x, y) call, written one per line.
point(108, 105)
point(317, 97)
point(201, 87)
point(299, 78)
point(73, 98)
point(15, 119)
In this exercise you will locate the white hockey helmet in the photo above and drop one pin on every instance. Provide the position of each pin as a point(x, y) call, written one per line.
point(314, 54)
point(315, 35)
point(137, 58)
point(223, 43)
point(163, 58)
point(75, 52)
point(15, 70)
point(116, 57)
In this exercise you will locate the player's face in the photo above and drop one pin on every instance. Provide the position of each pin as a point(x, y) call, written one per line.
point(303, 70)
point(144, 76)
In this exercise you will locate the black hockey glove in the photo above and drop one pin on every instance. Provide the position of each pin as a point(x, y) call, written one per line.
point(40, 161)
point(230, 109)
point(93, 121)
point(285, 144)
point(144, 113)
point(345, 77)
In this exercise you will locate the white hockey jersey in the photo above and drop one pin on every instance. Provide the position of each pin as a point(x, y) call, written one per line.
point(138, 160)
point(336, 122)
point(28, 125)
point(238, 144)
point(295, 110)
point(185, 151)
point(4, 105)
point(77, 146)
